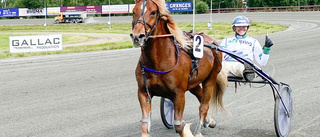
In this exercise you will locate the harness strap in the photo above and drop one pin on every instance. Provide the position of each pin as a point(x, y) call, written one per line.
point(154, 26)
point(145, 81)
point(235, 87)
point(194, 63)
point(162, 72)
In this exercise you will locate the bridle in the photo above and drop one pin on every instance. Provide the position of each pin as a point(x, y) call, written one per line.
point(145, 2)
point(147, 34)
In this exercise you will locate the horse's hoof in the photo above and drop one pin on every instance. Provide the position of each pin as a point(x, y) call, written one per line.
point(209, 122)
point(198, 135)
point(186, 131)
point(213, 124)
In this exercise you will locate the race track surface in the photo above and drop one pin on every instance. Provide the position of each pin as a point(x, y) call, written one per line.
point(95, 93)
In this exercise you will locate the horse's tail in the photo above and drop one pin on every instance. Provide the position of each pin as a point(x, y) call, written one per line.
point(218, 91)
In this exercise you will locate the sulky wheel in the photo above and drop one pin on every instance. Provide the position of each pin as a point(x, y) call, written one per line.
point(167, 112)
point(282, 121)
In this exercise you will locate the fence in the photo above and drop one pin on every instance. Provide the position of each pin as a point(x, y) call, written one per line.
point(267, 9)
point(185, 6)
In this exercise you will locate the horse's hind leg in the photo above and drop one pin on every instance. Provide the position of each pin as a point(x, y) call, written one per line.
point(146, 113)
point(197, 91)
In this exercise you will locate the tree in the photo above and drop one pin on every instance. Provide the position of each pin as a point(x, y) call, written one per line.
point(33, 4)
point(201, 6)
point(7, 3)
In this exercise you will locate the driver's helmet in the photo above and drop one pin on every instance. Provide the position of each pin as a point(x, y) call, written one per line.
point(240, 21)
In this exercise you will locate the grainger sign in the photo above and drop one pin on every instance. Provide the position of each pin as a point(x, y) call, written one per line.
point(35, 43)
point(179, 6)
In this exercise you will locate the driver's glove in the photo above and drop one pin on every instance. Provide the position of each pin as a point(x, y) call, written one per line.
point(268, 43)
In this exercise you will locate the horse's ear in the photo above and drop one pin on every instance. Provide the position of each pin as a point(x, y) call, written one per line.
point(167, 18)
point(164, 17)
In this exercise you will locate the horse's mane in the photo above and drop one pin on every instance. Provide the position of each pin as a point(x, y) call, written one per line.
point(172, 27)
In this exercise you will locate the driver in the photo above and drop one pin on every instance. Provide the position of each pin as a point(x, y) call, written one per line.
point(245, 47)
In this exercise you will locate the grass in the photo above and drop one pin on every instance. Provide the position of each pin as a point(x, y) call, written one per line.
point(78, 28)
point(219, 31)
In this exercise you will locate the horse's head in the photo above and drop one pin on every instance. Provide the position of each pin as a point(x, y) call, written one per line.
point(152, 19)
point(146, 16)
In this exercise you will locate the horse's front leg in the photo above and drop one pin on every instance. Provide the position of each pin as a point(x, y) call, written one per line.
point(181, 128)
point(146, 113)
point(204, 104)
point(204, 96)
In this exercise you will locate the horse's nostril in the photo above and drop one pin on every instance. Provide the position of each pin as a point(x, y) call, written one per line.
point(138, 39)
point(142, 36)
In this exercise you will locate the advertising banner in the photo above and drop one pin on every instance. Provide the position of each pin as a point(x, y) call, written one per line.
point(173, 6)
point(115, 9)
point(31, 12)
point(53, 11)
point(12, 12)
point(179, 6)
point(35, 43)
point(89, 9)
point(131, 6)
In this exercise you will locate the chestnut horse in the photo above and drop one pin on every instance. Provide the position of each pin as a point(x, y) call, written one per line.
point(164, 67)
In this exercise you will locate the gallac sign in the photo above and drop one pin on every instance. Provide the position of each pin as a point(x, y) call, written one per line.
point(35, 43)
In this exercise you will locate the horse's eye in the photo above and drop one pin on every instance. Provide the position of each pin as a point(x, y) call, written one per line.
point(153, 13)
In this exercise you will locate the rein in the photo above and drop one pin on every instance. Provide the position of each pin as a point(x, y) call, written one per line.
point(160, 36)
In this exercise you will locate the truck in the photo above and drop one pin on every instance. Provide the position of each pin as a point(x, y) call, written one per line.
point(71, 17)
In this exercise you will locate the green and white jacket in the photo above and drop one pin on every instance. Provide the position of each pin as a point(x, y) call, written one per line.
point(246, 47)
